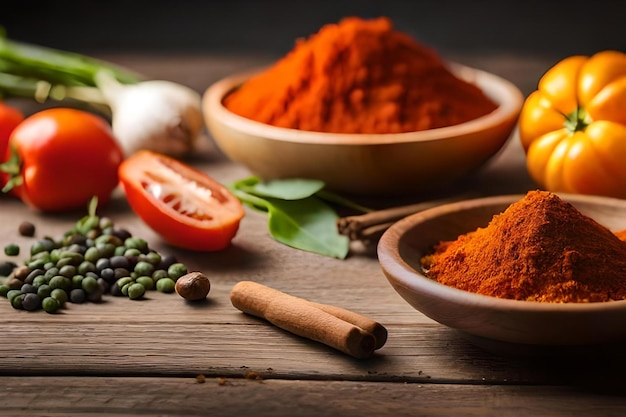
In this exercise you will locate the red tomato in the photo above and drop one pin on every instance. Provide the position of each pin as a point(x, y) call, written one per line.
point(187, 207)
point(10, 117)
point(59, 158)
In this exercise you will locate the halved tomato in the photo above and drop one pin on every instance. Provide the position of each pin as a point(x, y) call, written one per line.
point(187, 207)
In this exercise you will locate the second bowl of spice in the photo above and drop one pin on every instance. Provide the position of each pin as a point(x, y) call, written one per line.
point(538, 269)
point(365, 108)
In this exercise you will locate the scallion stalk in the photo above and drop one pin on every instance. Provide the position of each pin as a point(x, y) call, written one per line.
point(157, 115)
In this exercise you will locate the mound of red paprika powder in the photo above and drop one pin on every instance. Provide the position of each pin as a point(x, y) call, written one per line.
point(359, 76)
point(540, 248)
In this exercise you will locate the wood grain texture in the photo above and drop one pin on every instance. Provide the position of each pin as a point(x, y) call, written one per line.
point(85, 397)
point(124, 357)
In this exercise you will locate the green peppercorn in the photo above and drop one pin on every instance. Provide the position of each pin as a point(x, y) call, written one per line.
point(11, 249)
point(50, 304)
point(158, 274)
point(61, 282)
point(119, 251)
point(123, 281)
point(52, 272)
point(106, 250)
point(37, 263)
point(132, 252)
point(63, 262)
point(125, 287)
point(165, 285)
point(89, 284)
point(144, 268)
point(152, 257)
point(92, 254)
point(39, 280)
point(55, 255)
point(80, 267)
point(146, 281)
point(36, 248)
point(136, 291)
point(4, 289)
point(111, 239)
point(176, 270)
point(34, 274)
point(85, 267)
point(75, 248)
point(13, 293)
point(77, 281)
point(43, 245)
point(68, 271)
point(137, 243)
point(44, 256)
point(60, 295)
point(106, 223)
point(74, 258)
point(16, 302)
point(44, 291)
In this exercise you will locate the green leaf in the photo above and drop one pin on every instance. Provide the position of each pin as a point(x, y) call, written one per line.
point(249, 181)
point(307, 224)
point(251, 200)
point(284, 189)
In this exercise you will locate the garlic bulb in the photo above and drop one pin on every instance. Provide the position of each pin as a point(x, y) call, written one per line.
point(157, 115)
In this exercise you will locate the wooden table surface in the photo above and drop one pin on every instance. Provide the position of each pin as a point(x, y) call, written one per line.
point(131, 358)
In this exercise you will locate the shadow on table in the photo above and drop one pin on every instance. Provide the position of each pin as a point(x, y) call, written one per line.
point(600, 368)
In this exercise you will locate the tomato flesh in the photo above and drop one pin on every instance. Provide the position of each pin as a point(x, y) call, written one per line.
point(187, 207)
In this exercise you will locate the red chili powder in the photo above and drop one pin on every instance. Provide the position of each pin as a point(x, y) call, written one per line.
point(359, 76)
point(540, 248)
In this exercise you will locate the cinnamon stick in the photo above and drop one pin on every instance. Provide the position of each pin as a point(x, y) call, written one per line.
point(370, 326)
point(335, 327)
point(370, 226)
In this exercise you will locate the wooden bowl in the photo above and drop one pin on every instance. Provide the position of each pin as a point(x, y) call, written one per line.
point(490, 318)
point(366, 164)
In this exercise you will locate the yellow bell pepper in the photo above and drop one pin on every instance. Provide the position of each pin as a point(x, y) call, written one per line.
point(573, 127)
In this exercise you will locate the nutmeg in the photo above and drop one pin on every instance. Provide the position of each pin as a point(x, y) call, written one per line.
point(193, 286)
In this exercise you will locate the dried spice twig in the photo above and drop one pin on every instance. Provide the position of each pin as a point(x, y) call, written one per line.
point(369, 227)
point(336, 327)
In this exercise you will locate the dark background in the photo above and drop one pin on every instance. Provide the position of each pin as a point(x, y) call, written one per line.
point(549, 27)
